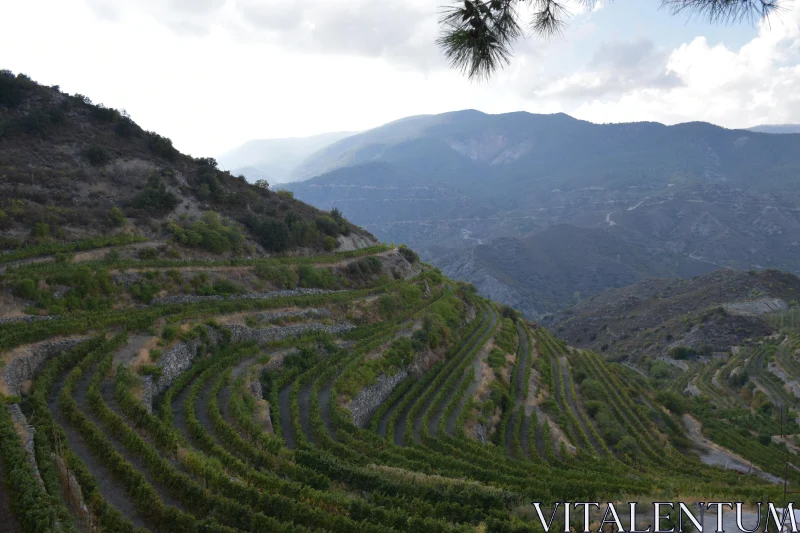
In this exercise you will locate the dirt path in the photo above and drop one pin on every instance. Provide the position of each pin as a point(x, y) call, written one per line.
point(476, 364)
point(178, 414)
point(80, 394)
point(114, 493)
point(476, 381)
point(521, 364)
point(201, 409)
point(324, 406)
point(304, 402)
point(286, 417)
point(573, 403)
point(715, 455)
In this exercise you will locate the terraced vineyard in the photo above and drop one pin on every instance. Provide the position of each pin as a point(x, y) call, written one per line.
point(407, 404)
point(210, 363)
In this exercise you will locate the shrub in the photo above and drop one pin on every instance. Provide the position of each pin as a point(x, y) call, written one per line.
point(97, 156)
point(327, 225)
point(672, 401)
point(116, 216)
point(26, 288)
point(409, 254)
point(150, 370)
point(682, 352)
point(274, 235)
point(40, 230)
point(209, 233)
point(11, 90)
point(309, 276)
point(329, 243)
point(148, 253)
point(283, 277)
point(223, 286)
point(155, 198)
point(161, 146)
point(169, 333)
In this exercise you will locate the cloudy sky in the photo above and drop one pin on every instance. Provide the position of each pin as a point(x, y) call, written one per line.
point(211, 74)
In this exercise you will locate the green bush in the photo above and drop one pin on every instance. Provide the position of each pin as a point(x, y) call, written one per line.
point(327, 225)
point(147, 254)
point(283, 277)
point(26, 288)
point(409, 254)
point(155, 198)
point(97, 156)
point(150, 370)
point(116, 216)
point(209, 233)
point(321, 278)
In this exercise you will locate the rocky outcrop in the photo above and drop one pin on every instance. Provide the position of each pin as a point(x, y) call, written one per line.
point(22, 368)
point(126, 279)
point(692, 390)
point(190, 298)
point(789, 383)
point(354, 241)
point(761, 306)
point(370, 398)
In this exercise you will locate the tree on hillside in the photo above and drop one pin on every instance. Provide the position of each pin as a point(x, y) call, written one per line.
point(477, 35)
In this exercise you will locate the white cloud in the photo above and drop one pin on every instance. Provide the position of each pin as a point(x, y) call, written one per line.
point(212, 74)
point(736, 88)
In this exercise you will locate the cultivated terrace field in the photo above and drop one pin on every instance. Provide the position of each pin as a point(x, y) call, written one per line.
point(155, 378)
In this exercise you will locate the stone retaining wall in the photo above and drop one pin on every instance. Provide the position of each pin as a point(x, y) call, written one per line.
point(370, 398)
point(23, 368)
point(27, 438)
point(190, 299)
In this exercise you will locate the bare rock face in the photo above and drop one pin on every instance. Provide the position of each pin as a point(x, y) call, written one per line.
point(354, 241)
point(692, 390)
point(761, 306)
point(370, 398)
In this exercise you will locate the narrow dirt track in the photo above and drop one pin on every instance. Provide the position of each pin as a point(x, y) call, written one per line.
point(138, 464)
point(521, 364)
point(286, 417)
point(471, 345)
point(573, 403)
point(112, 491)
point(476, 366)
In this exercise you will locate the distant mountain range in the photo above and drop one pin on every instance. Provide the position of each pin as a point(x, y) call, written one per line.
point(777, 128)
point(275, 159)
point(541, 211)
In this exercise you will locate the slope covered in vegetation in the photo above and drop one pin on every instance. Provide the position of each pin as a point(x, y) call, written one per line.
point(161, 386)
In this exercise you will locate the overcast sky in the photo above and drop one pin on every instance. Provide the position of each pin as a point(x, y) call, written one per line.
point(211, 74)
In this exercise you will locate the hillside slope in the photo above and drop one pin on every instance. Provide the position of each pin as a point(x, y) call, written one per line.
point(702, 196)
point(718, 310)
point(72, 170)
point(172, 385)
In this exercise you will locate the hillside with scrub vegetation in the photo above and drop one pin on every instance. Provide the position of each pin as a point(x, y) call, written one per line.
point(183, 352)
